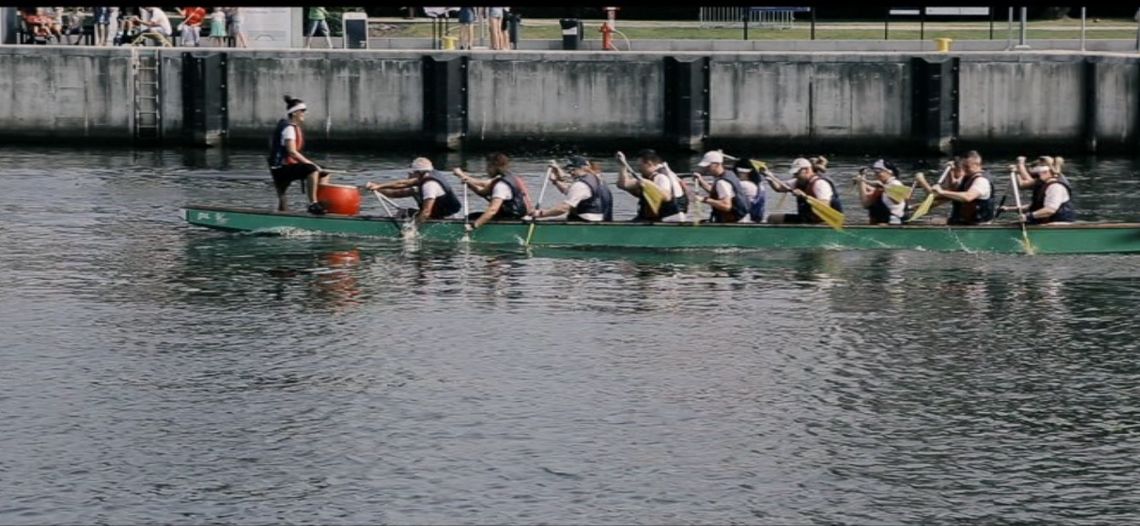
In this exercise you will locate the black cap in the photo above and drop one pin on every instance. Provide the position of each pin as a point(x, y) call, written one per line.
point(577, 161)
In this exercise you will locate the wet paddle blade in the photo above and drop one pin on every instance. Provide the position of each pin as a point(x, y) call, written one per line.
point(834, 218)
point(898, 193)
point(923, 208)
point(653, 195)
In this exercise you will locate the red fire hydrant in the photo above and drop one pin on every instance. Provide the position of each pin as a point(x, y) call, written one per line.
point(607, 37)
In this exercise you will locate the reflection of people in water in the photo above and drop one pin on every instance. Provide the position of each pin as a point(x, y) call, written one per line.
point(339, 288)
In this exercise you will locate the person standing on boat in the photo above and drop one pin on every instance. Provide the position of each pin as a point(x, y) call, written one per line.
point(726, 195)
point(804, 182)
point(1052, 197)
point(506, 191)
point(882, 209)
point(676, 204)
point(587, 197)
point(434, 197)
point(972, 197)
point(287, 163)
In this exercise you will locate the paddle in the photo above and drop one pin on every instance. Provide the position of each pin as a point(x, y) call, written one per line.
point(541, 193)
point(829, 215)
point(380, 197)
point(466, 216)
point(898, 193)
point(924, 207)
point(653, 195)
point(1028, 245)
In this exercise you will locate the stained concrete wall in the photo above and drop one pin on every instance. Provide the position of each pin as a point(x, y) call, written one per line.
point(351, 96)
point(793, 98)
point(564, 96)
point(773, 99)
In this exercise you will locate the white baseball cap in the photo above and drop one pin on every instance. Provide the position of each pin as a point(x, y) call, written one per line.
point(422, 164)
point(799, 164)
point(714, 156)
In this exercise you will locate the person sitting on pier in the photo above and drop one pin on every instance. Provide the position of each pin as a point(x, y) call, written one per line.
point(287, 163)
point(587, 198)
point(726, 196)
point(506, 192)
point(434, 197)
point(972, 199)
point(804, 182)
point(675, 204)
point(1052, 197)
point(885, 203)
point(157, 27)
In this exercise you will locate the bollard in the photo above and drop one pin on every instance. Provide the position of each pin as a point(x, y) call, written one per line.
point(943, 44)
point(449, 43)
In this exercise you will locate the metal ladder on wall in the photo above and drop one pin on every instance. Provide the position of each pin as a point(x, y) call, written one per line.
point(146, 65)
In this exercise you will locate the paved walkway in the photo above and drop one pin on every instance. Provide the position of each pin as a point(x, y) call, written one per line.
point(894, 24)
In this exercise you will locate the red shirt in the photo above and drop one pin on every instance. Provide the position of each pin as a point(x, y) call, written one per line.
point(193, 15)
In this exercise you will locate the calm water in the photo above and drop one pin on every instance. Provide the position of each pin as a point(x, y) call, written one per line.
point(154, 372)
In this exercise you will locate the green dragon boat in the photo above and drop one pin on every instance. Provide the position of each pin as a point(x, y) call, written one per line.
point(1077, 238)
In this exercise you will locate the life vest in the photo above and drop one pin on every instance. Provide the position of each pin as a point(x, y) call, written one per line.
point(756, 205)
point(1065, 213)
point(880, 213)
point(669, 207)
point(803, 208)
point(976, 211)
point(445, 206)
point(739, 201)
point(519, 204)
point(278, 156)
point(601, 201)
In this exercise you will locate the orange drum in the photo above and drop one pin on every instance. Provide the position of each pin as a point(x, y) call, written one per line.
point(339, 198)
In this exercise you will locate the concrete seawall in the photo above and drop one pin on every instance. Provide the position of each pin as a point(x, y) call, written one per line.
point(764, 101)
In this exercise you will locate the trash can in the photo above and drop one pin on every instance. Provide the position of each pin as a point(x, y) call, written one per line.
point(513, 20)
point(571, 32)
point(943, 44)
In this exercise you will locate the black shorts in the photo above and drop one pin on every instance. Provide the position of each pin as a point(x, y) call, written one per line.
point(284, 175)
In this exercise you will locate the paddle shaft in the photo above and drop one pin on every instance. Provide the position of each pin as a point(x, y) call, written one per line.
point(541, 193)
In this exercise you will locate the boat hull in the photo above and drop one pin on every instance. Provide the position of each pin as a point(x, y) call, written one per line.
point(1090, 238)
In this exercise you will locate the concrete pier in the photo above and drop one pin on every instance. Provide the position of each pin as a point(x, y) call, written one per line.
point(872, 101)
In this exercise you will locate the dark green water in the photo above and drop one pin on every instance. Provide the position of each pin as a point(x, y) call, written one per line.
point(155, 372)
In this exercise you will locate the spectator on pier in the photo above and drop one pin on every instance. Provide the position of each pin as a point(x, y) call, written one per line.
point(102, 25)
point(495, 27)
point(191, 26)
point(318, 19)
point(236, 21)
point(157, 26)
point(466, 27)
point(218, 27)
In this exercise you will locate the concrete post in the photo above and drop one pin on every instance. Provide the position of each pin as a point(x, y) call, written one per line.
point(8, 25)
point(1088, 84)
point(1021, 38)
point(1082, 30)
point(934, 103)
point(687, 101)
point(1009, 38)
point(445, 100)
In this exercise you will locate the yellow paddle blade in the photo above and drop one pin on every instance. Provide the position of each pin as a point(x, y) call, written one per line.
point(834, 218)
point(923, 208)
point(898, 193)
point(653, 195)
point(759, 165)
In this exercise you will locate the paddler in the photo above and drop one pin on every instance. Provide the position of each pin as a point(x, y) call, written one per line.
point(434, 197)
point(804, 182)
point(726, 197)
point(972, 197)
point(505, 191)
point(587, 196)
point(287, 163)
point(882, 208)
point(652, 169)
point(1052, 197)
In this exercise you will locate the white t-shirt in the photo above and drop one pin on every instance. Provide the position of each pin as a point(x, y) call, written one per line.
point(288, 134)
point(820, 188)
point(897, 209)
point(502, 190)
point(578, 192)
point(982, 186)
point(157, 15)
point(1055, 196)
point(724, 189)
point(431, 190)
point(750, 190)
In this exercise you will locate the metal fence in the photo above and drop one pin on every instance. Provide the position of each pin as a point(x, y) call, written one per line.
point(771, 17)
